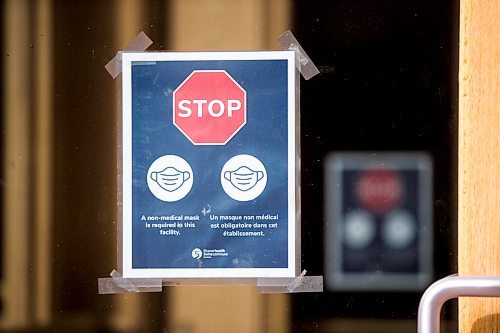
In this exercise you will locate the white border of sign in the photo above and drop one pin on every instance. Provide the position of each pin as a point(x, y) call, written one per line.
point(126, 169)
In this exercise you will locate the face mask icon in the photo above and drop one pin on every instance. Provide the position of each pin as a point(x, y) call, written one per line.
point(170, 179)
point(243, 178)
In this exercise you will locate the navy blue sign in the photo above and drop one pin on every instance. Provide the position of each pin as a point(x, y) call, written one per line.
point(208, 164)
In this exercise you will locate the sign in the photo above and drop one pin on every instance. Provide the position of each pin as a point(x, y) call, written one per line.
point(209, 170)
point(378, 213)
point(209, 107)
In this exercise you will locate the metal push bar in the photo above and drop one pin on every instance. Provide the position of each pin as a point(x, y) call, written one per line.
point(453, 286)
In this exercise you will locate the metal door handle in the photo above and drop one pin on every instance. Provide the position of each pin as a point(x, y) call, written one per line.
point(453, 286)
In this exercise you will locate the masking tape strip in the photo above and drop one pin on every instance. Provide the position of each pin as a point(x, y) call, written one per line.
point(302, 60)
point(209, 282)
point(298, 284)
point(140, 43)
point(117, 284)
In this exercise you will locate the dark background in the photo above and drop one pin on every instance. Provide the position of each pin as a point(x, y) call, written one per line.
point(388, 81)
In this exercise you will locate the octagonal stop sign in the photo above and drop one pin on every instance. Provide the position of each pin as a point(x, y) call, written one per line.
point(209, 107)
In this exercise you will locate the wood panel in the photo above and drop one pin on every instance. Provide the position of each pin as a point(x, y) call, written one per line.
point(227, 24)
point(42, 217)
point(16, 166)
point(479, 157)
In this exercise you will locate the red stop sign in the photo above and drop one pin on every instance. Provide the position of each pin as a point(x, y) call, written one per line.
point(209, 107)
point(379, 190)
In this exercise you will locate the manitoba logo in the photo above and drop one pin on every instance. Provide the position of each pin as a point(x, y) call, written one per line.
point(197, 253)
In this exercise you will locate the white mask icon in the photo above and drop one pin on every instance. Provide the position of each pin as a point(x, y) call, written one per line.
point(243, 178)
point(170, 179)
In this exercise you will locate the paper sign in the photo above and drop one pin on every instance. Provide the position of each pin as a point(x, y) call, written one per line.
point(209, 170)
